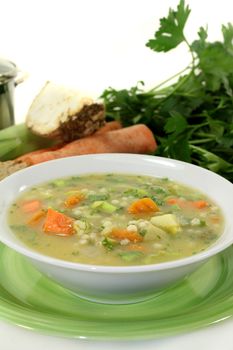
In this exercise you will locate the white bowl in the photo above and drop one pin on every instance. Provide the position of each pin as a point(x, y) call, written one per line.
point(113, 284)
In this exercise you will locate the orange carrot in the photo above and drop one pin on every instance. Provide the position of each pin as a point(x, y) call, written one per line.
point(39, 151)
point(215, 219)
point(144, 205)
point(121, 234)
point(135, 247)
point(58, 224)
point(31, 206)
point(177, 201)
point(201, 204)
point(134, 139)
point(110, 126)
point(172, 201)
point(36, 218)
point(73, 200)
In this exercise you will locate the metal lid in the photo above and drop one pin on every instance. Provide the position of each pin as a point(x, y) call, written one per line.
point(8, 70)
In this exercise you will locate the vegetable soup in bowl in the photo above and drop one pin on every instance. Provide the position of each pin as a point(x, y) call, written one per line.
point(115, 228)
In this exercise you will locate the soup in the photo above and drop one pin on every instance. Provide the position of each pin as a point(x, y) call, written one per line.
point(115, 219)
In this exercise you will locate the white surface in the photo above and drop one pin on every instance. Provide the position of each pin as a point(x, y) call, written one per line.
point(92, 44)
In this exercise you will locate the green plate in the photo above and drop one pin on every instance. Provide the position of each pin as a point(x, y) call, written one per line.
point(31, 300)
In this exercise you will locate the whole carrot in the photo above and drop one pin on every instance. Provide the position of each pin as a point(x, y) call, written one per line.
point(134, 139)
point(110, 126)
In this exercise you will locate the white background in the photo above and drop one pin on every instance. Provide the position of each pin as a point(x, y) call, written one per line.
point(90, 45)
point(93, 44)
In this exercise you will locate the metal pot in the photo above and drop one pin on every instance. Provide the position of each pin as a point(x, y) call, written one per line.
point(9, 78)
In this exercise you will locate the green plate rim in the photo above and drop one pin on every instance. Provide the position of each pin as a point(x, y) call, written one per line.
point(32, 301)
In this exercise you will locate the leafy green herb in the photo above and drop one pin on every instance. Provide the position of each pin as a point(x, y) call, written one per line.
point(104, 207)
point(135, 192)
point(157, 200)
point(202, 223)
point(58, 183)
point(192, 119)
point(21, 228)
point(174, 207)
point(108, 243)
point(98, 197)
point(130, 256)
point(75, 253)
point(26, 233)
point(142, 232)
point(170, 33)
point(158, 190)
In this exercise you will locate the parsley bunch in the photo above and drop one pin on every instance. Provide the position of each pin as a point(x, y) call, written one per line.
point(192, 119)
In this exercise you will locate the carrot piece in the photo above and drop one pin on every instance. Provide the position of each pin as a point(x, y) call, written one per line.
point(135, 247)
point(58, 224)
point(173, 201)
point(134, 139)
point(215, 219)
point(73, 200)
point(144, 205)
point(201, 204)
point(36, 218)
point(42, 150)
point(31, 206)
point(120, 234)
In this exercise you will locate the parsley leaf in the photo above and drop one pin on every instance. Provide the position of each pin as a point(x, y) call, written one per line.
point(170, 33)
point(216, 63)
point(176, 123)
point(98, 197)
point(227, 32)
point(191, 118)
point(131, 256)
point(108, 243)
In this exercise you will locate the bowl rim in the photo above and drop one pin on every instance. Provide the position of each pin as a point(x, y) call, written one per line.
point(168, 265)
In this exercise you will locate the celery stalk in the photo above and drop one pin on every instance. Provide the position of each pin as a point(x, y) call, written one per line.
point(18, 140)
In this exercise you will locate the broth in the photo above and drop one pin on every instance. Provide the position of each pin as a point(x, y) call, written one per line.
point(115, 219)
